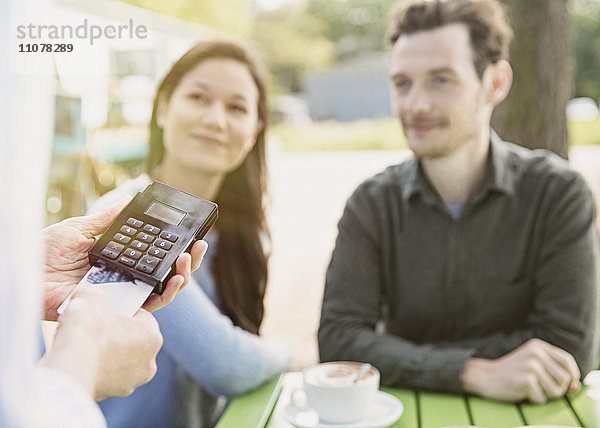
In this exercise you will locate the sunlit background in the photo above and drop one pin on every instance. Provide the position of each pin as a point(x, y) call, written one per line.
point(329, 86)
point(328, 93)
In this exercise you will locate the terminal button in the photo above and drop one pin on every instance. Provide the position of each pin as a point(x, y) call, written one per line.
point(135, 222)
point(147, 264)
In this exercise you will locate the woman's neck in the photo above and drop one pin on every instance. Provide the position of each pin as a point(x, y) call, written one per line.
point(199, 183)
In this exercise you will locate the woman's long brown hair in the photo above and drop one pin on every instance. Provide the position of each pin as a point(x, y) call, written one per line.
point(240, 263)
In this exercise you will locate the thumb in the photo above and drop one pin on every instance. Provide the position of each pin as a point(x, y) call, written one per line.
point(95, 224)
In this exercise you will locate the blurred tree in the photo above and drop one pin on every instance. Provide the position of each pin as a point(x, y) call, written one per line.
point(292, 42)
point(230, 16)
point(534, 115)
point(353, 25)
point(311, 34)
point(586, 29)
point(302, 35)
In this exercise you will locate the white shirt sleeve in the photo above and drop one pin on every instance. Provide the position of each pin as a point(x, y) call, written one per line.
point(29, 396)
point(54, 400)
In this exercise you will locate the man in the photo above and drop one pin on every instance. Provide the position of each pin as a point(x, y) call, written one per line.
point(472, 267)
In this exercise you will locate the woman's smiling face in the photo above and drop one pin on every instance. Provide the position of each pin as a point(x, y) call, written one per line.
point(210, 123)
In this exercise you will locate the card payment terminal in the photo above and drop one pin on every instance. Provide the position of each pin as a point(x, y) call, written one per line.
point(152, 230)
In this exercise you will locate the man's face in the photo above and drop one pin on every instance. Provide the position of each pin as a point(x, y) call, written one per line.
point(440, 100)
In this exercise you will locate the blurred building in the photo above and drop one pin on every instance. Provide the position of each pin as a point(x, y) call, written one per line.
point(104, 93)
point(288, 109)
point(357, 88)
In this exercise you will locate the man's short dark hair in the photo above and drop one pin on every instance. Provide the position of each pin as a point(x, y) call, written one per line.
point(485, 19)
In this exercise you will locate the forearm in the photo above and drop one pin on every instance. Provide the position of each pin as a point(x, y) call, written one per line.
point(55, 399)
point(402, 363)
point(75, 355)
point(496, 344)
point(500, 343)
point(223, 358)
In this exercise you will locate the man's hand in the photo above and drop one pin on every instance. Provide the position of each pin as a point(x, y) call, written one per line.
point(108, 353)
point(67, 246)
point(536, 371)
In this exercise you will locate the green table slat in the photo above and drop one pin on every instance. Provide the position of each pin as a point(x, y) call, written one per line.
point(253, 409)
point(438, 410)
point(494, 414)
point(409, 418)
point(556, 412)
point(586, 408)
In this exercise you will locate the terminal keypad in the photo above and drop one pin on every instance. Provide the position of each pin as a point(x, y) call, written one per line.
point(146, 251)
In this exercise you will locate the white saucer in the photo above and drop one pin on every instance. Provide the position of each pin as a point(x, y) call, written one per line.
point(386, 410)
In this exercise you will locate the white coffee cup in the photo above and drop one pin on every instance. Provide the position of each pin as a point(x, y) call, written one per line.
point(334, 393)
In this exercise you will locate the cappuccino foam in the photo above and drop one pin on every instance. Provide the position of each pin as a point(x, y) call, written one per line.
point(335, 374)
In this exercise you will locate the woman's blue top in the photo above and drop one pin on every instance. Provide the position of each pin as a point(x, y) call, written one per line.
point(198, 340)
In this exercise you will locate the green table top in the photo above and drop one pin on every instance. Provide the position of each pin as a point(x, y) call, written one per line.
point(263, 408)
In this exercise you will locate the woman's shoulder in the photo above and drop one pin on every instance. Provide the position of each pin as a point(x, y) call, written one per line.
point(129, 187)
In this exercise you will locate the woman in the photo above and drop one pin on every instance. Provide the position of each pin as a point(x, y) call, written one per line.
point(207, 138)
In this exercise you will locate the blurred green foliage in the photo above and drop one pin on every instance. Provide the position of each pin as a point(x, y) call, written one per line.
point(292, 43)
point(380, 134)
point(586, 30)
point(353, 25)
point(232, 17)
point(304, 35)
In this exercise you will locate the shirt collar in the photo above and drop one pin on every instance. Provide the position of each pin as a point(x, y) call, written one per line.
point(498, 176)
point(415, 182)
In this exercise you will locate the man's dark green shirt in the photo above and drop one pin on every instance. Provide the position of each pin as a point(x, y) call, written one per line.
point(520, 261)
